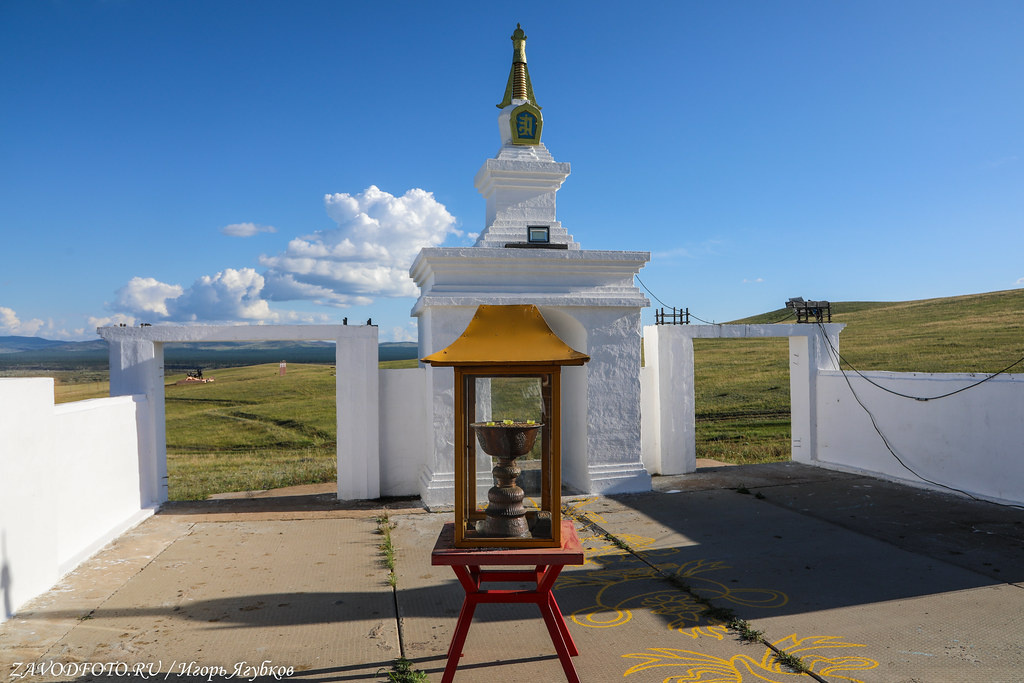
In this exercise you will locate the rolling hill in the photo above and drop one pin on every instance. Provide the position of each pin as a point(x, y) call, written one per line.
point(742, 386)
point(970, 333)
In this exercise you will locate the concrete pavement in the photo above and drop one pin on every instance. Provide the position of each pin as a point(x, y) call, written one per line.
point(865, 580)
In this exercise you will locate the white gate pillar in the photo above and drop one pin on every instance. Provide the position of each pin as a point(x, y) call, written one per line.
point(670, 444)
point(137, 367)
point(358, 413)
point(808, 354)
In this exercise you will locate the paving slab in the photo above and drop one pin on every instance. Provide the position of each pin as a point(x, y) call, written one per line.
point(307, 594)
point(619, 610)
point(978, 535)
point(866, 580)
point(843, 600)
point(49, 617)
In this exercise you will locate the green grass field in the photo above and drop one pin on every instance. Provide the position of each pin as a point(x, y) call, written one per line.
point(251, 429)
point(741, 399)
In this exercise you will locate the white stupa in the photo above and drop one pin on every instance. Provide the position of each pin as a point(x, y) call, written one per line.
point(524, 256)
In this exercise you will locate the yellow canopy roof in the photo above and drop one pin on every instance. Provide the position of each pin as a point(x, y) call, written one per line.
point(507, 335)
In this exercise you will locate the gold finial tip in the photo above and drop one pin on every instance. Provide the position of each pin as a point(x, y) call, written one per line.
point(519, 86)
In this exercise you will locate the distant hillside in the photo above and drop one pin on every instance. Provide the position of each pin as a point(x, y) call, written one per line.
point(398, 351)
point(970, 333)
point(18, 344)
point(34, 353)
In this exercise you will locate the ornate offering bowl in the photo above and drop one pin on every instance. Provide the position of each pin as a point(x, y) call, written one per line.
point(505, 440)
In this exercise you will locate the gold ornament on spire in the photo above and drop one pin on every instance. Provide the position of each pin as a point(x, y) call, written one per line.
point(519, 86)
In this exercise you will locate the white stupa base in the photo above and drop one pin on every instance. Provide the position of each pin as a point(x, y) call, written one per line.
point(437, 490)
point(618, 478)
point(589, 300)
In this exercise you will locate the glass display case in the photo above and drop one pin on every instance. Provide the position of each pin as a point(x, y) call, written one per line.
point(507, 398)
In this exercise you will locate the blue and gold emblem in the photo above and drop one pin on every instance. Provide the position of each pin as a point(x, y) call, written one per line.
point(526, 123)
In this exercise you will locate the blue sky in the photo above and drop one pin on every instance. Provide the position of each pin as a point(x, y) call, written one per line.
point(196, 161)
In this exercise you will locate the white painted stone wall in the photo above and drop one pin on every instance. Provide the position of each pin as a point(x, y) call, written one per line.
point(405, 435)
point(29, 558)
point(971, 441)
point(52, 459)
point(102, 457)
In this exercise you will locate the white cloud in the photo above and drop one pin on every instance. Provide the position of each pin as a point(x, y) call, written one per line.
point(12, 325)
point(1000, 162)
point(705, 248)
point(368, 255)
point(402, 334)
point(284, 287)
point(1020, 281)
point(246, 229)
point(229, 296)
point(756, 280)
point(146, 295)
point(682, 252)
point(112, 320)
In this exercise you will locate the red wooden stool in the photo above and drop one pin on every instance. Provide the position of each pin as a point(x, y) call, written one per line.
point(547, 563)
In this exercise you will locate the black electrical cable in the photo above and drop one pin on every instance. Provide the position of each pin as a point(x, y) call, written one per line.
point(782, 320)
point(841, 360)
point(888, 446)
point(665, 304)
point(651, 293)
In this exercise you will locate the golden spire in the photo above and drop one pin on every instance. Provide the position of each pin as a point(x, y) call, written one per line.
point(519, 86)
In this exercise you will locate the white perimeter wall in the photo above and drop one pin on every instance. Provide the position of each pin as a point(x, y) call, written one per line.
point(405, 434)
point(75, 476)
point(972, 441)
point(52, 460)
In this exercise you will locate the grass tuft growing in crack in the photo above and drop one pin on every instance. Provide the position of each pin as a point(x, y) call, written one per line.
point(387, 548)
point(791, 661)
point(745, 632)
point(402, 672)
